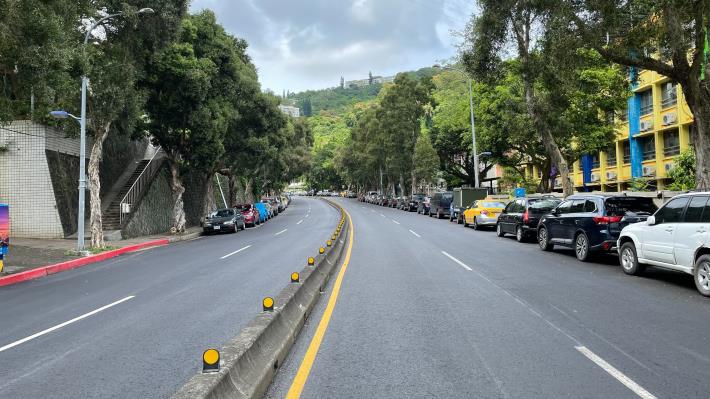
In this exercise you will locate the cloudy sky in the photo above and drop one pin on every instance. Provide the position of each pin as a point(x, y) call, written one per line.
point(309, 44)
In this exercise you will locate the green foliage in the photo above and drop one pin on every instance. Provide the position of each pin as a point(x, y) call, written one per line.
point(683, 171)
point(425, 160)
point(639, 184)
point(337, 99)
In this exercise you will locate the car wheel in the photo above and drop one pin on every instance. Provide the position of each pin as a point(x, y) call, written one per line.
point(475, 224)
point(543, 239)
point(701, 275)
point(465, 223)
point(629, 260)
point(459, 220)
point(519, 234)
point(499, 230)
point(581, 247)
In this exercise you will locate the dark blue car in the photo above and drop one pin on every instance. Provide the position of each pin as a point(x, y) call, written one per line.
point(591, 222)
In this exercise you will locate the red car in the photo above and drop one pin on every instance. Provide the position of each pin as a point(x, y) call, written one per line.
point(251, 214)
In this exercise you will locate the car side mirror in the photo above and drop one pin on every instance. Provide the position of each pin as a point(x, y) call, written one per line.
point(651, 220)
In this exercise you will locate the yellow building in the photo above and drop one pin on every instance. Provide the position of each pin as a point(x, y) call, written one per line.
point(653, 132)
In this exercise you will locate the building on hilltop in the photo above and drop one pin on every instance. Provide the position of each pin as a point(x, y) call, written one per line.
point(290, 110)
point(366, 82)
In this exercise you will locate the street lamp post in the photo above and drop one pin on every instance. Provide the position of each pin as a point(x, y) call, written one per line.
point(473, 121)
point(82, 128)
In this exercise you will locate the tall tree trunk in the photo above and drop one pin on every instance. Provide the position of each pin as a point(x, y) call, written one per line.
point(249, 190)
point(208, 201)
point(232, 189)
point(95, 221)
point(697, 96)
point(178, 190)
point(414, 182)
point(402, 188)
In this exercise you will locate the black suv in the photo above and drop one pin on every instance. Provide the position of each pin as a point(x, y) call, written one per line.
point(411, 204)
point(520, 217)
point(440, 205)
point(591, 222)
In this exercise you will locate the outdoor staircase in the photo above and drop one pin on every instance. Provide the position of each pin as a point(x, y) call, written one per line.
point(112, 215)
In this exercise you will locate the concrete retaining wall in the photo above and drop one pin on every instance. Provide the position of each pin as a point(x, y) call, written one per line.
point(250, 360)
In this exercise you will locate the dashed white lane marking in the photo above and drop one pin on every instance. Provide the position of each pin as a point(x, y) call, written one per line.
point(382, 215)
point(415, 233)
point(307, 215)
point(621, 377)
point(235, 252)
point(281, 232)
point(396, 222)
point(66, 323)
point(457, 261)
point(300, 221)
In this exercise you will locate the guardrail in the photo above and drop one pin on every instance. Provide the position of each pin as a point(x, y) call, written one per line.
point(138, 186)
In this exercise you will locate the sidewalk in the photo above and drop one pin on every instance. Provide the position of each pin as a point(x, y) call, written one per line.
point(29, 253)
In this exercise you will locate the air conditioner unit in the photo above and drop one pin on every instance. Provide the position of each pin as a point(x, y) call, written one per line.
point(649, 171)
point(646, 126)
point(610, 176)
point(595, 177)
point(669, 119)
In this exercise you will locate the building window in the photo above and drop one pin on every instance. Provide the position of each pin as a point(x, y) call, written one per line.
point(595, 161)
point(624, 115)
point(627, 151)
point(671, 143)
point(648, 148)
point(611, 156)
point(646, 102)
point(669, 96)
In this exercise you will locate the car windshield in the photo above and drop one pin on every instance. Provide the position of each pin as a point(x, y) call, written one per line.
point(491, 204)
point(447, 196)
point(621, 206)
point(222, 213)
point(244, 207)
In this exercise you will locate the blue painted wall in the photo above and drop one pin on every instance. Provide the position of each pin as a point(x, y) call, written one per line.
point(634, 117)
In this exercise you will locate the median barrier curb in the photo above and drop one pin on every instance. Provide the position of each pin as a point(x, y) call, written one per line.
point(250, 360)
point(76, 263)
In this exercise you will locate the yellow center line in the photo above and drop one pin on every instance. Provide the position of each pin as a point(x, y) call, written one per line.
point(299, 382)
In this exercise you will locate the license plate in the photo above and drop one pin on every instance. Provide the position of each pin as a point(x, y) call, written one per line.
point(216, 227)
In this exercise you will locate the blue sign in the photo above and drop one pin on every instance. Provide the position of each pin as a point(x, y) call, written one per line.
point(520, 192)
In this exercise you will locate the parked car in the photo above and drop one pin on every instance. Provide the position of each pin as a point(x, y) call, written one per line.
point(251, 214)
point(423, 206)
point(263, 211)
point(411, 203)
point(591, 222)
point(676, 237)
point(385, 200)
point(273, 207)
point(482, 213)
point(521, 216)
point(224, 220)
point(440, 205)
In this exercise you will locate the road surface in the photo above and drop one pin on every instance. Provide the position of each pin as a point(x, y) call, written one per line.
point(431, 309)
point(135, 326)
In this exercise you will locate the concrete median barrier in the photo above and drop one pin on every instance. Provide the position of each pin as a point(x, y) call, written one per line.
point(249, 361)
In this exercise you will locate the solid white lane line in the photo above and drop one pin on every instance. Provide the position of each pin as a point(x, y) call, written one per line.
point(235, 252)
point(66, 323)
point(415, 233)
point(457, 261)
point(300, 221)
point(281, 232)
point(621, 377)
point(395, 221)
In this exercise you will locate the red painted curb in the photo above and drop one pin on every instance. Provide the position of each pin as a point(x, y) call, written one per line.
point(76, 263)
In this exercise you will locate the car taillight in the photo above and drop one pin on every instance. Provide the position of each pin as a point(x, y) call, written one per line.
point(526, 217)
point(606, 219)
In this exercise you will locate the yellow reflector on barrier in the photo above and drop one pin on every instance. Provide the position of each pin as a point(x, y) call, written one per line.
point(295, 277)
point(210, 361)
point(268, 303)
point(311, 261)
point(321, 250)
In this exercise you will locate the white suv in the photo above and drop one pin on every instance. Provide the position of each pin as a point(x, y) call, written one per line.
point(676, 237)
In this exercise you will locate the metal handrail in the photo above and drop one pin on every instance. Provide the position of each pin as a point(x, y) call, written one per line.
point(137, 186)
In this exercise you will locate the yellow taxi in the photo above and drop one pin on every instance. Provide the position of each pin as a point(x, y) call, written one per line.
point(483, 213)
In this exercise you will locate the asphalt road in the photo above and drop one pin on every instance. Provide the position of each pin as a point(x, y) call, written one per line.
point(428, 308)
point(135, 326)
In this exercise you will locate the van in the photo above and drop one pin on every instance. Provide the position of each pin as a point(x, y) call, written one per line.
point(440, 204)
